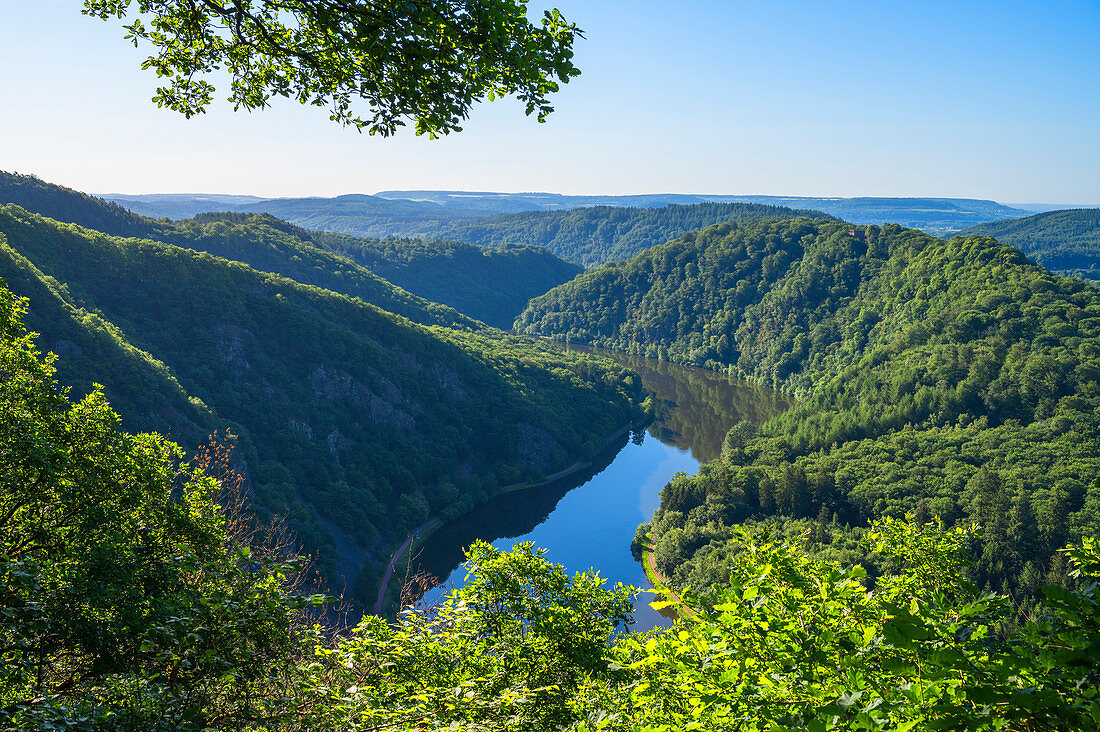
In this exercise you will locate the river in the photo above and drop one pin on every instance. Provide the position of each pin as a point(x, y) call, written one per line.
point(587, 520)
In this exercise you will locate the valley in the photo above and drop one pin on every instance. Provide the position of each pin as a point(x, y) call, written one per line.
point(776, 386)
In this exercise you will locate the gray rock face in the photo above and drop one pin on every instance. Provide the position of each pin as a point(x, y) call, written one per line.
point(334, 385)
point(301, 427)
point(230, 348)
point(536, 448)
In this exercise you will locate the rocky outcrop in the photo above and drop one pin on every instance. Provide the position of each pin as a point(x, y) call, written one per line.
point(381, 408)
point(337, 442)
point(230, 348)
point(301, 427)
point(449, 380)
point(536, 448)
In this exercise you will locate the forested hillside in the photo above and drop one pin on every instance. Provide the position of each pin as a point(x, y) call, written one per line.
point(147, 600)
point(492, 285)
point(1067, 242)
point(357, 422)
point(593, 236)
point(943, 378)
point(74, 207)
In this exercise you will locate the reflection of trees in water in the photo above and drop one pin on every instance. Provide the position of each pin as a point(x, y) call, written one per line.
point(510, 515)
point(696, 407)
point(694, 410)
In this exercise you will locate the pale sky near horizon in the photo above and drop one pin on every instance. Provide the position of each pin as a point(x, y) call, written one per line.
point(961, 99)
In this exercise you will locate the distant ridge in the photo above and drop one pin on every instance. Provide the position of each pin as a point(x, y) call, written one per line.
point(934, 215)
point(594, 235)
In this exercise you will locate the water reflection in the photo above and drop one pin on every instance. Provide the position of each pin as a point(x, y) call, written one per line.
point(509, 517)
point(696, 407)
point(587, 520)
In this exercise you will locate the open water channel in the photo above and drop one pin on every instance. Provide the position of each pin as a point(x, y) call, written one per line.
point(587, 520)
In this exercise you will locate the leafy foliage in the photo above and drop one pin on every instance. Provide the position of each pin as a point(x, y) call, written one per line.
point(129, 598)
point(508, 651)
point(424, 62)
point(795, 642)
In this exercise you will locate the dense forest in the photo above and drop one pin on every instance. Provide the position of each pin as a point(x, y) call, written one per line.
point(941, 378)
point(1067, 242)
point(490, 285)
point(359, 423)
point(140, 594)
point(599, 234)
point(145, 591)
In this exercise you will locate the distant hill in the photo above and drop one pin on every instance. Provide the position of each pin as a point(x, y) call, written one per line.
point(74, 207)
point(934, 215)
point(491, 286)
point(1067, 242)
point(430, 213)
point(179, 205)
point(353, 214)
point(490, 202)
point(598, 234)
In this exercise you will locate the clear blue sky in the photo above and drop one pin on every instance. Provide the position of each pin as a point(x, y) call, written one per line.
point(970, 99)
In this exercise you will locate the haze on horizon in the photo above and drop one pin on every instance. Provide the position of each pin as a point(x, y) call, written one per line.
point(970, 100)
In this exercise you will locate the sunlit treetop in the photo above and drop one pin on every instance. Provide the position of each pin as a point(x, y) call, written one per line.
point(373, 64)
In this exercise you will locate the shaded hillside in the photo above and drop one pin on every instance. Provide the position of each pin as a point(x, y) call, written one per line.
point(944, 378)
point(272, 245)
point(92, 350)
point(65, 204)
point(592, 236)
point(1067, 242)
point(492, 286)
point(356, 422)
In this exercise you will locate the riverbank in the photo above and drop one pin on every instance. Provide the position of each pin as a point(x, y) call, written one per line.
point(422, 531)
point(660, 583)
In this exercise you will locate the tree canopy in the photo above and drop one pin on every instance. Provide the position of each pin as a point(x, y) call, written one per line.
point(424, 62)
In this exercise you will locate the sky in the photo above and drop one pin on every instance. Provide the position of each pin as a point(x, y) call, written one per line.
point(961, 99)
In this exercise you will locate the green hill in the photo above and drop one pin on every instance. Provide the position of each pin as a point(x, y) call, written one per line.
point(599, 234)
point(493, 285)
point(934, 215)
point(487, 285)
point(950, 378)
point(356, 422)
point(1067, 242)
point(74, 207)
point(93, 350)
